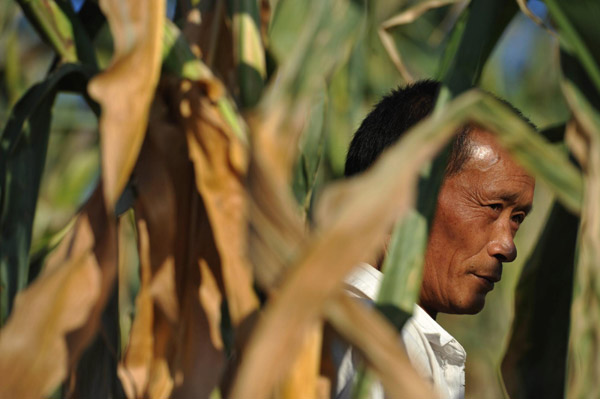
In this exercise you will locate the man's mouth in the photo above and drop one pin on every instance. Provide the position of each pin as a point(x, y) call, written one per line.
point(487, 281)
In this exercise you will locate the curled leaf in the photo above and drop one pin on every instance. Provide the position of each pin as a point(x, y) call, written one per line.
point(58, 315)
point(125, 90)
point(220, 162)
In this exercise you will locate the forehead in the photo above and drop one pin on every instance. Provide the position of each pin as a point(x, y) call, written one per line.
point(485, 151)
point(491, 168)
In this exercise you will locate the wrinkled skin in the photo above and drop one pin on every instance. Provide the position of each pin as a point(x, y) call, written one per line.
point(479, 211)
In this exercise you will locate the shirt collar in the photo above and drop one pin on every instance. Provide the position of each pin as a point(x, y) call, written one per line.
point(436, 335)
point(364, 282)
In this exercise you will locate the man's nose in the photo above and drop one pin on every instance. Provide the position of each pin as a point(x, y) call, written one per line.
point(501, 245)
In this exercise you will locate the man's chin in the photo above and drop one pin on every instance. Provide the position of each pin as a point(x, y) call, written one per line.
point(472, 306)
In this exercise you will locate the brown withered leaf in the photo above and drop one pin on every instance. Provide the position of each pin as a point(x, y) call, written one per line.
point(277, 232)
point(210, 298)
point(59, 314)
point(134, 373)
point(187, 358)
point(126, 88)
point(303, 379)
point(156, 204)
point(33, 350)
point(101, 236)
point(220, 162)
point(277, 227)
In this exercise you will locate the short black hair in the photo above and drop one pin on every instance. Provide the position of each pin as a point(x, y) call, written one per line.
point(394, 115)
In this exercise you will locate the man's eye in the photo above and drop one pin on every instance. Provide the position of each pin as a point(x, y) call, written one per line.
point(518, 218)
point(495, 207)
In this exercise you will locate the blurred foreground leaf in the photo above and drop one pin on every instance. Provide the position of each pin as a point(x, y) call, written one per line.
point(23, 147)
point(220, 164)
point(584, 364)
point(463, 63)
point(57, 316)
point(310, 154)
point(403, 265)
point(248, 51)
point(406, 17)
point(125, 90)
point(53, 25)
point(577, 25)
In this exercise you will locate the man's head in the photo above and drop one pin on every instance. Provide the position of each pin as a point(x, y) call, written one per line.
point(484, 198)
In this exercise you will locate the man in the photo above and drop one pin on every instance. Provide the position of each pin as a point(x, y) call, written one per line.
point(484, 198)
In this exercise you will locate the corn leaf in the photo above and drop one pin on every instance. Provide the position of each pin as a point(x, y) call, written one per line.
point(53, 25)
point(403, 264)
point(185, 284)
point(486, 22)
point(578, 34)
point(310, 154)
point(406, 17)
point(181, 61)
point(584, 365)
point(23, 146)
point(276, 225)
point(535, 360)
point(35, 363)
point(135, 371)
point(220, 164)
point(248, 51)
point(99, 356)
point(126, 88)
point(57, 316)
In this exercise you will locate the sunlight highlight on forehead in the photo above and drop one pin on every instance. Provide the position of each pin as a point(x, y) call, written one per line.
point(482, 156)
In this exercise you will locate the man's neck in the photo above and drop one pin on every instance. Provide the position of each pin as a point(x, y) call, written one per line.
point(430, 311)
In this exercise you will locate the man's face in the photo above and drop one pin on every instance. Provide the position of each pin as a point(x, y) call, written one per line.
point(479, 210)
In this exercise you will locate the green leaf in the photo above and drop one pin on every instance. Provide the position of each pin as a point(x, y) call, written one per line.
point(248, 50)
point(403, 265)
point(23, 145)
point(402, 271)
point(58, 25)
point(319, 34)
point(577, 24)
point(463, 64)
point(583, 360)
point(534, 364)
point(311, 149)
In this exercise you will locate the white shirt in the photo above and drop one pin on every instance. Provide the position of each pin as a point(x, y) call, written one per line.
point(433, 352)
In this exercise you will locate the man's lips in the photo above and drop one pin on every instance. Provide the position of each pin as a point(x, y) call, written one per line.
point(487, 280)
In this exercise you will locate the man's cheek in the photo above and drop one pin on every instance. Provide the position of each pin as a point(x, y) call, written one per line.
point(469, 297)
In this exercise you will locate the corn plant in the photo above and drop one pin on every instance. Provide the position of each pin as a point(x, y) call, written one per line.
point(208, 255)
